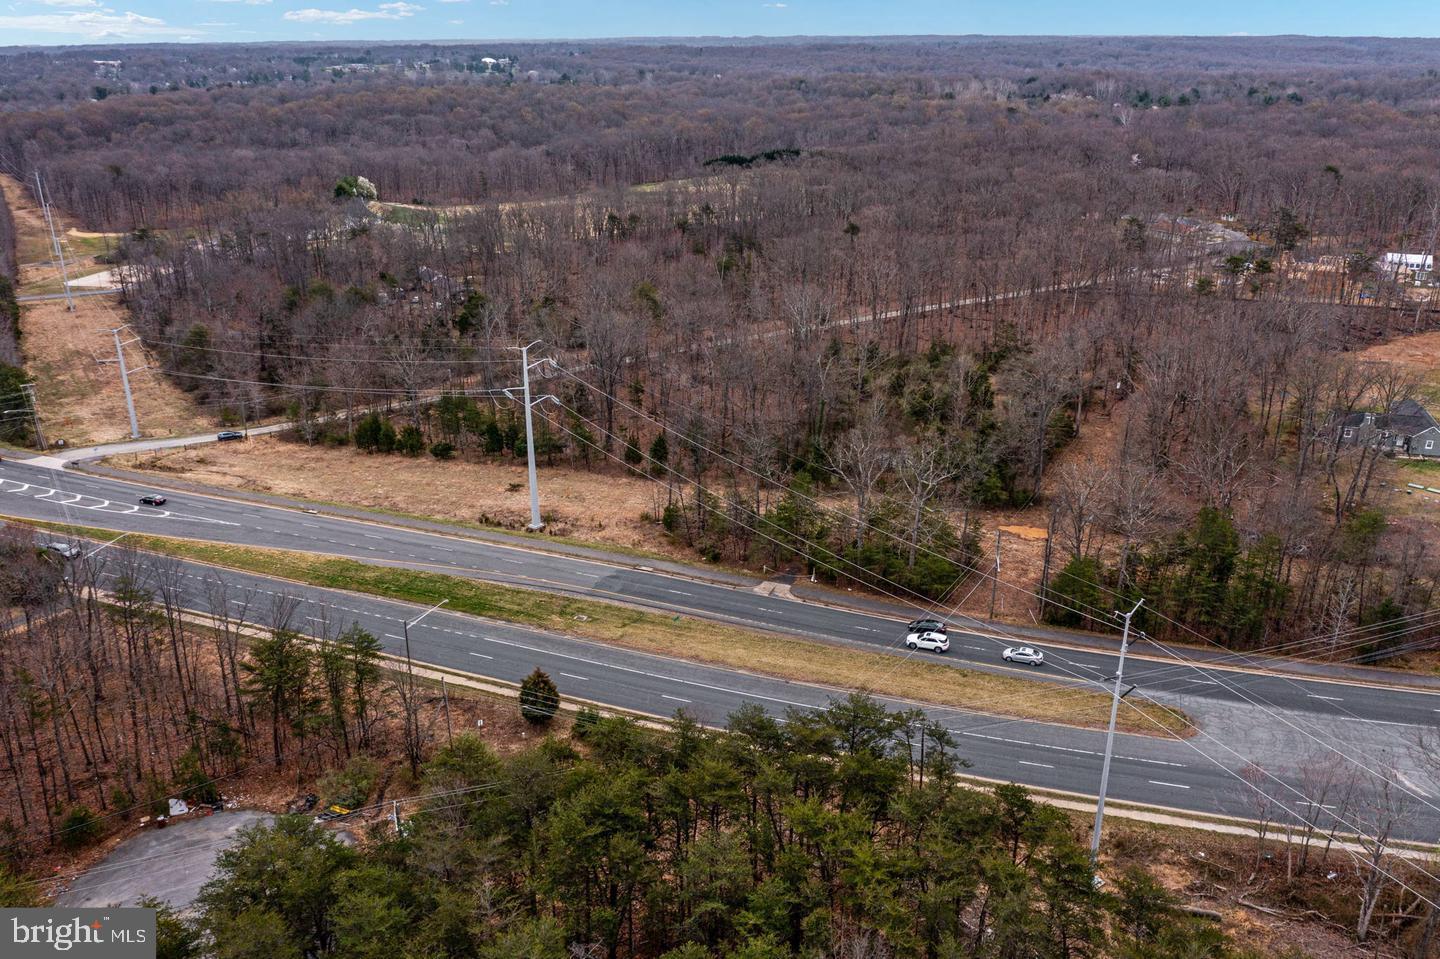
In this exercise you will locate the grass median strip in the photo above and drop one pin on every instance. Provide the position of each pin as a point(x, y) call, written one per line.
point(680, 637)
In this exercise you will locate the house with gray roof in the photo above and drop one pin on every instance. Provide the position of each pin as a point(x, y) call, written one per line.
point(1408, 429)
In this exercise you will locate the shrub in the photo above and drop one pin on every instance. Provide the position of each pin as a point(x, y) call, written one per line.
point(442, 450)
point(585, 722)
point(412, 441)
point(79, 828)
point(539, 699)
point(191, 780)
point(386, 440)
point(350, 786)
point(659, 453)
point(633, 456)
point(1075, 593)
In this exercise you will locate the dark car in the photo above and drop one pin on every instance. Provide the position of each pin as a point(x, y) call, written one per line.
point(927, 626)
point(229, 435)
point(152, 499)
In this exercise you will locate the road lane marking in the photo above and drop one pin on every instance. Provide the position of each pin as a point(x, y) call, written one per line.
point(675, 698)
point(645, 672)
point(583, 679)
point(1024, 762)
point(679, 592)
point(393, 636)
point(1333, 699)
point(1066, 749)
point(482, 656)
point(1156, 782)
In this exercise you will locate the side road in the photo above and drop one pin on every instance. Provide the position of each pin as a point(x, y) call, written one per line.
point(799, 590)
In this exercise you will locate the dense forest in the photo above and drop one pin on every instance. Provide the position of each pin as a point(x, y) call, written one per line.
point(838, 297)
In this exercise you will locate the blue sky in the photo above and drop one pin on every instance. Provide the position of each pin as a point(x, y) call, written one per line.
point(89, 21)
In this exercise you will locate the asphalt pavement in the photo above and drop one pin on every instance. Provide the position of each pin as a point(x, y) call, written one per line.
point(1289, 721)
point(169, 864)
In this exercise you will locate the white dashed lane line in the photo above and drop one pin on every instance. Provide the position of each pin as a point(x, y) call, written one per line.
point(583, 679)
point(1040, 765)
point(481, 656)
point(1156, 782)
point(675, 698)
point(1066, 749)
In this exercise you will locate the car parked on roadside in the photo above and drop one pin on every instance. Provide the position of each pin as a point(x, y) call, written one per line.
point(927, 625)
point(152, 499)
point(928, 639)
point(1023, 654)
point(60, 548)
point(224, 435)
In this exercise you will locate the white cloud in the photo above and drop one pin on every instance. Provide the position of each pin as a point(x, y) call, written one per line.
point(253, 3)
point(454, 1)
point(87, 4)
point(94, 25)
point(456, 23)
point(386, 11)
point(499, 3)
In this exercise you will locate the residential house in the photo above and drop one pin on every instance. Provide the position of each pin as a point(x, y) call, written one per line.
point(1407, 429)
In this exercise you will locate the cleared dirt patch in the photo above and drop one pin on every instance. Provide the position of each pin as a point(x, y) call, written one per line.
point(81, 401)
point(605, 508)
point(1420, 354)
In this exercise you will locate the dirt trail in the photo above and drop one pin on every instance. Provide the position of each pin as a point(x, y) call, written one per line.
point(80, 400)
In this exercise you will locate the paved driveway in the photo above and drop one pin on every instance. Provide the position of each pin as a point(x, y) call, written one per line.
point(170, 864)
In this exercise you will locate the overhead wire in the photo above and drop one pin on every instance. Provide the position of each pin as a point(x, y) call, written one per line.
point(1267, 707)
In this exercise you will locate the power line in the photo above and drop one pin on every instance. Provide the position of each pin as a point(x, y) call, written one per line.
point(1266, 707)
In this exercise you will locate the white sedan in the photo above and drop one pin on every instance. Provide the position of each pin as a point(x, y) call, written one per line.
point(1023, 654)
point(936, 642)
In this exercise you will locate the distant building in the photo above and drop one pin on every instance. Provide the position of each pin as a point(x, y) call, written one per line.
point(1416, 266)
point(1408, 429)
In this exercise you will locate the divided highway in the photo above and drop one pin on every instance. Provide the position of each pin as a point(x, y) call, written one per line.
point(1270, 719)
point(1152, 770)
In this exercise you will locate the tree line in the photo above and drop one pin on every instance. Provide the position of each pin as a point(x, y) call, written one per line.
point(887, 311)
point(842, 832)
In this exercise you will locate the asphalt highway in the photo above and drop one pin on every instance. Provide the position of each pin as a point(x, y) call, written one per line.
point(1283, 716)
point(1193, 775)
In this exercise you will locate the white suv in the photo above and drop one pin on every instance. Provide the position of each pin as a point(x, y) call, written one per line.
point(1023, 654)
point(937, 642)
